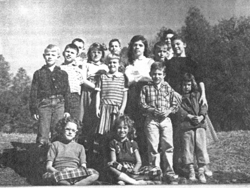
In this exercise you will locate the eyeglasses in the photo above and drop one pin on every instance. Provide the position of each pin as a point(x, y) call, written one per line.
point(73, 130)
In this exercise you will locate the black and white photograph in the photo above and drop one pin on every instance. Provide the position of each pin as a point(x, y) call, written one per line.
point(124, 92)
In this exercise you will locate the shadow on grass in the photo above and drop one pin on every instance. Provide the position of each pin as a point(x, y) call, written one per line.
point(27, 160)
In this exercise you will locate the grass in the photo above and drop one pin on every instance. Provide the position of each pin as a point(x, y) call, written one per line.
point(229, 159)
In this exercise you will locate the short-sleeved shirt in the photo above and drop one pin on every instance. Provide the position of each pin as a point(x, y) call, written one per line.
point(125, 151)
point(94, 70)
point(112, 88)
point(75, 76)
point(66, 155)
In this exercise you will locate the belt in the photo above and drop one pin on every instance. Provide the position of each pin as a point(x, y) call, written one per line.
point(55, 96)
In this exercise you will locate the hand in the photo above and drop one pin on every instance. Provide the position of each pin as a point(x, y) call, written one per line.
point(110, 163)
point(203, 100)
point(98, 113)
point(199, 118)
point(35, 116)
point(190, 117)
point(121, 112)
point(135, 171)
point(66, 115)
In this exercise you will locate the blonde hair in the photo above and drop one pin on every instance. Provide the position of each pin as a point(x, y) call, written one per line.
point(52, 47)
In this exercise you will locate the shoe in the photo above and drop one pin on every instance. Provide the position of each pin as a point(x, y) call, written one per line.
point(201, 176)
point(191, 176)
point(171, 179)
point(121, 183)
point(208, 172)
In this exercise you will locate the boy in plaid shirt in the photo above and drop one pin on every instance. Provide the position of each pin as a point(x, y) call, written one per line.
point(157, 100)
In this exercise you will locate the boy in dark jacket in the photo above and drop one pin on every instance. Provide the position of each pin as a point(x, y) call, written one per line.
point(193, 128)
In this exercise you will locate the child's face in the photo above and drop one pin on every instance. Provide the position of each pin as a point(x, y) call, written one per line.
point(70, 131)
point(70, 55)
point(113, 65)
point(157, 76)
point(138, 48)
point(115, 48)
point(122, 130)
point(161, 53)
point(80, 47)
point(179, 47)
point(96, 55)
point(168, 38)
point(51, 56)
point(186, 87)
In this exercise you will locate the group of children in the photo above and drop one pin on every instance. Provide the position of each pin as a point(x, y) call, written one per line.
point(90, 107)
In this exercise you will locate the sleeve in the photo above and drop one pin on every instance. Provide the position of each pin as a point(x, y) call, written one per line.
point(112, 145)
point(142, 104)
point(82, 156)
point(98, 83)
point(125, 83)
point(128, 73)
point(203, 108)
point(135, 146)
point(51, 155)
point(197, 71)
point(174, 101)
point(33, 94)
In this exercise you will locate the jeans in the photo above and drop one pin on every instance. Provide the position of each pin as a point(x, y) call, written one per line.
point(194, 144)
point(50, 111)
point(160, 132)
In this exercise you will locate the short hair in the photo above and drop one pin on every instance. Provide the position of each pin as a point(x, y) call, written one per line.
point(73, 46)
point(159, 45)
point(166, 32)
point(97, 46)
point(178, 37)
point(52, 46)
point(157, 66)
point(61, 124)
point(114, 40)
point(77, 40)
point(127, 122)
point(130, 47)
point(188, 77)
point(112, 56)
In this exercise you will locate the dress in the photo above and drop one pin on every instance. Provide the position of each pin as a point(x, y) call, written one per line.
point(112, 88)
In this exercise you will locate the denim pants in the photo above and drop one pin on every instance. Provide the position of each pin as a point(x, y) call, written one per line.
point(160, 132)
point(74, 103)
point(50, 111)
point(194, 144)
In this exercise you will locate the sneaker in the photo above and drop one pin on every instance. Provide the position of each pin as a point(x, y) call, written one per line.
point(121, 183)
point(208, 172)
point(202, 177)
point(191, 176)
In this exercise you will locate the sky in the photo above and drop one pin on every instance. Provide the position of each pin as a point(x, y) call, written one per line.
point(28, 26)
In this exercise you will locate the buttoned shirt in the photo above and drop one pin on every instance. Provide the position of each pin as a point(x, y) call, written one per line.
point(75, 76)
point(161, 98)
point(46, 83)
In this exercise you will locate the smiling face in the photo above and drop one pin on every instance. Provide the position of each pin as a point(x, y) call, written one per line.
point(70, 131)
point(115, 48)
point(179, 48)
point(157, 76)
point(80, 47)
point(138, 49)
point(161, 53)
point(122, 130)
point(113, 65)
point(70, 55)
point(186, 87)
point(96, 55)
point(168, 38)
point(50, 56)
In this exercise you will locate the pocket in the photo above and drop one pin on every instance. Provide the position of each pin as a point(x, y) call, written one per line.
point(43, 102)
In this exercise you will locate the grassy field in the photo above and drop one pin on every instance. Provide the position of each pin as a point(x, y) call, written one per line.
point(230, 159)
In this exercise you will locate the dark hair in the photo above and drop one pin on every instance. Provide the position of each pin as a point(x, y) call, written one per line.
point(177, 37)
point(157, 66)
point(166, 32)
point(61, 124)
point(77, 40)
point(97, 46)
point(187, 77)
point(159, 44)
point(73, 46)
point(127, 122)
point(114, 40)
point(131, 44)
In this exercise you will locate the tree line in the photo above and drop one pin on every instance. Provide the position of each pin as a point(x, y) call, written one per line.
point(223, 51)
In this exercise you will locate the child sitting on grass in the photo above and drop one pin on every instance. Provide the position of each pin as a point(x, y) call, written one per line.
point(193, 128)
point(66, 159)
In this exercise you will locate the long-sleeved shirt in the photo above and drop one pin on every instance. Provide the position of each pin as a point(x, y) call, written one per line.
point(161, 98)
point(46, 83)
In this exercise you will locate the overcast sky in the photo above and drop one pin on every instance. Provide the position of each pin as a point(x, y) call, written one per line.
point(28, 26)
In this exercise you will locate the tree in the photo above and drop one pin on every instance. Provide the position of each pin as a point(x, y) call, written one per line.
point(5, 76)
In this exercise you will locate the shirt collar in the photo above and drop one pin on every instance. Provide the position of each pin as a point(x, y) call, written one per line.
point(117, 75)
